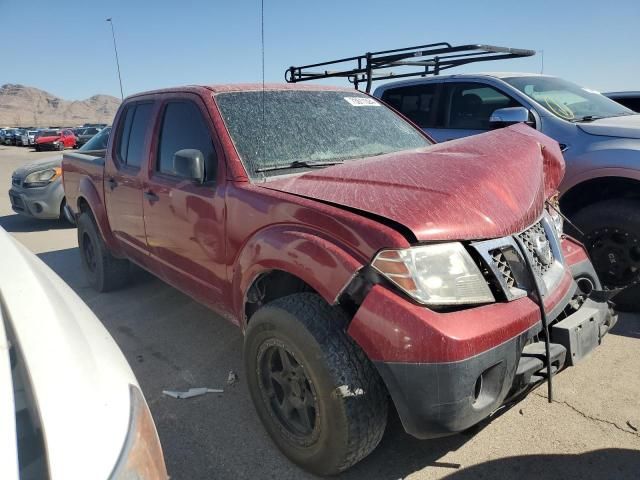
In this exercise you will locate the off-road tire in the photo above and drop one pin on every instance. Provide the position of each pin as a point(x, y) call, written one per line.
point(351, 398)
point(613, 219)
point(104, 272)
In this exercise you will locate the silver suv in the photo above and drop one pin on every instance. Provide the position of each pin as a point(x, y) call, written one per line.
point(599, 137)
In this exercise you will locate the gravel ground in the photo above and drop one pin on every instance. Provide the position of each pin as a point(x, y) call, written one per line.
point(591, 430)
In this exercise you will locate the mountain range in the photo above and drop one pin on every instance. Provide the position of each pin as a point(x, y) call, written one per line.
point(22, 106)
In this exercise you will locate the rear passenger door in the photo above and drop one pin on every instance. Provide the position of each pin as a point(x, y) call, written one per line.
point(123, 178)
point(465, 109)
point(185, 219)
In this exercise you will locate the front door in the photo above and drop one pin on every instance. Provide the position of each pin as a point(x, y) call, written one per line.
point(184, 218)
point(123, 181)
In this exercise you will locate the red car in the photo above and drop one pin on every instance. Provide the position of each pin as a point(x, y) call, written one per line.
point(367, 267)
point(55, 140)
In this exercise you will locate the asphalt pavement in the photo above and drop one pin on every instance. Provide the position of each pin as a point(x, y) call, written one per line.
point(591, 430)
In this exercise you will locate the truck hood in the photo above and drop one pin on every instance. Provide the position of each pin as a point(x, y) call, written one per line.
point(48, 139)
point(486, 186)
point(627, 126)
point(43, 164)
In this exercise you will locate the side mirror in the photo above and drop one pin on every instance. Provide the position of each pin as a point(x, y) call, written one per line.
point(189, 163)
point(503, 117)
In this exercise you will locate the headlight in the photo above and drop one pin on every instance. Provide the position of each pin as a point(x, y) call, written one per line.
point(42, 178)
point(442, 274)
point(141, 457)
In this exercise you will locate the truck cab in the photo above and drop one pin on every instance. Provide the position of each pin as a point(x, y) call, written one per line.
point(367, 267)
point(599, 138)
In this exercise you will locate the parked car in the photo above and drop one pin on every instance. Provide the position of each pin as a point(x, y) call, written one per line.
point(600, 140)
point(55, 140)
point(37, 190)
point(27, 138)
point(17, 137)
point(31, 137)
point(631, 100)
point(360, 260)
point(9, 137)
point(85, 135)
point(71, 406)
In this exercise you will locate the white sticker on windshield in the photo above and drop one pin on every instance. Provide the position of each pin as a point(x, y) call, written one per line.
point(362, 101)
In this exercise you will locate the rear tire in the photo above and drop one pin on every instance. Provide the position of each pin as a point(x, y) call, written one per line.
point(319, 397)
point(612, 237)
point(104, 272)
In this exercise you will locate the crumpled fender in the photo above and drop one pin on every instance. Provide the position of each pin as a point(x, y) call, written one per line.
point(322, 264)
point(88, 192)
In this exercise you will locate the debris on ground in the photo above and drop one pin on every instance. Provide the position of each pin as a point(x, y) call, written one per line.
point(232, 378)
point(633, 427)
point(192, 392)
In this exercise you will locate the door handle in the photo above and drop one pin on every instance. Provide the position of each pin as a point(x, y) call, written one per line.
point(112, 183)
point(152, 197)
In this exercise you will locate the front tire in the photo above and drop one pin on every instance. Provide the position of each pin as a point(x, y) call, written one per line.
point(104, 272)
point(612, 237)
point(317, 394)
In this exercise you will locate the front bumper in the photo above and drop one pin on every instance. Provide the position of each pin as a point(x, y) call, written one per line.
point(39, 202)
point(448, 371)
point(47, 146)
point(439, 399)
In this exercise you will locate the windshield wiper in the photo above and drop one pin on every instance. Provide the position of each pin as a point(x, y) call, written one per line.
point(589, 118)
point(297, 164)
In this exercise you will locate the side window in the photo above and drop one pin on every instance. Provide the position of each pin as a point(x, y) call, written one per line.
point(471, 105)
point(141, 120)
point(416, 102)
point(125, 130)
point(132, 135)
point(184, 127)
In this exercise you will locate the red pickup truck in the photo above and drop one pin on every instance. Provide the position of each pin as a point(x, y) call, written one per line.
point(366, 266)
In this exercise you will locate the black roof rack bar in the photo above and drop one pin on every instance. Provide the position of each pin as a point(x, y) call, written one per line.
point(431, 59)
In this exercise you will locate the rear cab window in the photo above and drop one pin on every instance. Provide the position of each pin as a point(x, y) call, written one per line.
point(132, 135)
point(416, 102)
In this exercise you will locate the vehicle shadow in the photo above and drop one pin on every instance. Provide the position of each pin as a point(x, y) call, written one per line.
point(19, 224)
point(628, 325)
point(609, 463)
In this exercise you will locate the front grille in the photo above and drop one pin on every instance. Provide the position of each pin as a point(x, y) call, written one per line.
point(535, 239)
point(500, 262)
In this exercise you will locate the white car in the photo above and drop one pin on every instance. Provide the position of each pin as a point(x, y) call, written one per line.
point(70, 406)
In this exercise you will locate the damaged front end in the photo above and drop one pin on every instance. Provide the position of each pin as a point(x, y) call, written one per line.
point(448, 369)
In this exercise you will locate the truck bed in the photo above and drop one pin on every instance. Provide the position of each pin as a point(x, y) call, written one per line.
point(82, 166)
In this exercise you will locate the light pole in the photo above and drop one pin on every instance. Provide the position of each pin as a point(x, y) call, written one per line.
point(115, 48)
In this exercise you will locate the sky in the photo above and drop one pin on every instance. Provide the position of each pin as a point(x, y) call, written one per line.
point(66, 47)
